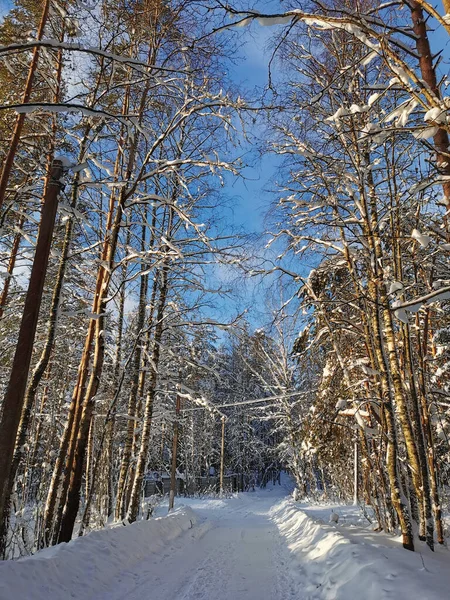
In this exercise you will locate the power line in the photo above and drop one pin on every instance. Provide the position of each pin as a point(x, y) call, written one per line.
point(231, 404)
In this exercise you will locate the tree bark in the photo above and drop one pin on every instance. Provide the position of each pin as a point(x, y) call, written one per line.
point(173, 470)
point(15, 392)
point(428, 72)
point(42, 364)
point(122, 498)
point(111, 424)
point(422, 352)
point(20, 120)
point(370, 228)
point(11, 264)
point(76, 471)
point(133, 508)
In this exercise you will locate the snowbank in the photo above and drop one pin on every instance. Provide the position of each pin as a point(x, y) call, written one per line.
point(234, 553)
point(83, 568)
point(342, 563)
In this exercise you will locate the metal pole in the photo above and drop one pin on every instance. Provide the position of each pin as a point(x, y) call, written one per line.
point(222, 452)
point(173, 472)
point(15, 392)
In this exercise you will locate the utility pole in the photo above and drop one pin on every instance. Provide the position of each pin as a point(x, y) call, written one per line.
point(222, 453)
point(355, 473)
point(15, 392)
point(173, 471)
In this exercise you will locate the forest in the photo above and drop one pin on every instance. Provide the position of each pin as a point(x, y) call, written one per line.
point(148, 334)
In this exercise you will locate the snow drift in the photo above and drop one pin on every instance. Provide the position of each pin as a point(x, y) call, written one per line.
point(233, 552)
point(342, 563)
point(83, 568)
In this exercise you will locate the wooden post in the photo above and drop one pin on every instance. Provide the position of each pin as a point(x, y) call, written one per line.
point(173, 472)
point(355, 474)
point(222, 452)
point(15, 392)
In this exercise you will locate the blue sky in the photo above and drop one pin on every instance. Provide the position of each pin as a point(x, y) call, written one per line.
point(251, 74)
point(4, 7)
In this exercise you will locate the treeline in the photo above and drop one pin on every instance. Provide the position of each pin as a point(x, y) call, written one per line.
point(140, 120)
point(123, 111)
point(362, 219)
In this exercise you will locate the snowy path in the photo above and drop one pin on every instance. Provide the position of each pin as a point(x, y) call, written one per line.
point(237, 553)
point(255, 546)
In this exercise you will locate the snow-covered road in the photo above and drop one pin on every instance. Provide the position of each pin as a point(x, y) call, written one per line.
point(236, 553)
point(254, 546)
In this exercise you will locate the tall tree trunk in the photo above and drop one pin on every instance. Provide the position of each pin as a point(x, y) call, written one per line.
point(20, 119)
point(110, 425)
point(76, 471)
point(51, 521)
point(61, 473)
point(81, 429)
point(391, 434)
point(173, 468)
point(366, 310)
point(90, 458)
point(15, 392)
point(422, 352)
point(398, 392)
point(103, 281)
point(38, 430)
point(104, 438)
point(42, 364)
point(141, 463)
point(428, 72)
point(392, 360)
point(11, 264)
point(427, 531)
point(122, 496)
point(370, 227)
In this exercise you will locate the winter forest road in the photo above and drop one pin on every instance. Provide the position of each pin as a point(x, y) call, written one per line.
point(254, 546)
point(235, 553)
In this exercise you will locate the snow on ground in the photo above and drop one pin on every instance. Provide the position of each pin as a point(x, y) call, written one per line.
point(348, 561)
point(86, 567)
point(254, 546)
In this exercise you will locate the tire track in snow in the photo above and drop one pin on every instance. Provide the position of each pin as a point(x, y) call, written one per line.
point(241, 557)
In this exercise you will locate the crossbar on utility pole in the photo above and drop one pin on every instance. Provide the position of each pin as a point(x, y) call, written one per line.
point(15, 392)
point(222, 452)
